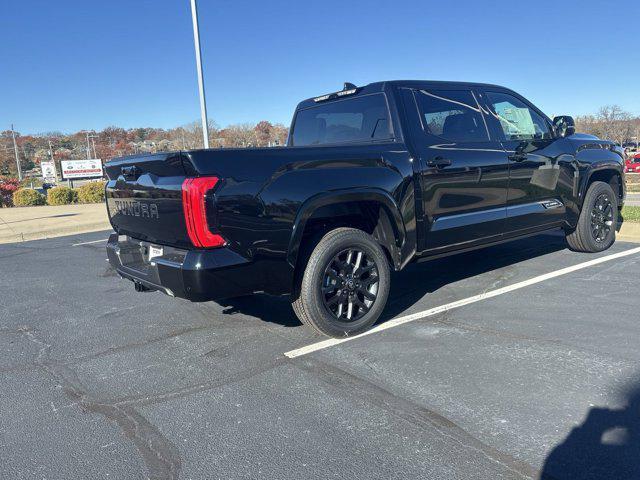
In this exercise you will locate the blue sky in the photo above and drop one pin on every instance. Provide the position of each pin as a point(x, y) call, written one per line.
point(70, 65)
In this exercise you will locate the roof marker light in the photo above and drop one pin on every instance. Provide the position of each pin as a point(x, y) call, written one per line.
point(348, 89)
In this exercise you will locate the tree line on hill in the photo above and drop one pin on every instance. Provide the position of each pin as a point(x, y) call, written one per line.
point(115, 141)
point(610, 123)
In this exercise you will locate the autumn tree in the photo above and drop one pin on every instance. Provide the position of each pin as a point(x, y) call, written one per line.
point(611, 122)
point(239, 135)
point(263, 133)
point(280, 134)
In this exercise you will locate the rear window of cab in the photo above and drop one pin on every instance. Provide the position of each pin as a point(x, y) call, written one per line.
point(356, 119)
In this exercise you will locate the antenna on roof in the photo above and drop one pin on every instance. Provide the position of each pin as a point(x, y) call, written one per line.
point(348, 86)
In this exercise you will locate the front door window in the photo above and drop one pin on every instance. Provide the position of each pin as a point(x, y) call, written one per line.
point(518, 121)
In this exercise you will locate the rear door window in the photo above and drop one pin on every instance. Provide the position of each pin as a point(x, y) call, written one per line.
point(452, 115)
point(358, 119)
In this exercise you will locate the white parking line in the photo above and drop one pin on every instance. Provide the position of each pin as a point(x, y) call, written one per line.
point(314, 347)
point(89, 243)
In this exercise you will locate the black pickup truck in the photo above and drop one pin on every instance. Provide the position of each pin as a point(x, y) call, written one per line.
point(372, 178)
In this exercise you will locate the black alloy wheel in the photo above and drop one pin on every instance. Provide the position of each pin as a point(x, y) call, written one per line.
point(595, 230)
point(350, 285)
point(601, 218)
point(345, 284)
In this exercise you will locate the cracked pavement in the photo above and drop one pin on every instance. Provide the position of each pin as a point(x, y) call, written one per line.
point(99, 381)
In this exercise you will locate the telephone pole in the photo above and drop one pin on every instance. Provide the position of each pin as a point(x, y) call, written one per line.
point(203, 103)
point(93, 143)
point(15, 150)
point(88, 147)
point(53, 161)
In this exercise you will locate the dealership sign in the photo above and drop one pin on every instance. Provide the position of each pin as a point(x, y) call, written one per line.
point(48, 171)
point(81, 168)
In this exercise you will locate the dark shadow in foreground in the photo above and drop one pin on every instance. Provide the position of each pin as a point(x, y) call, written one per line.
point(605, 446)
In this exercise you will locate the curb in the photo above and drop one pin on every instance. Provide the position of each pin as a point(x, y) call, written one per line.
point(55, 232)
point(630, 232)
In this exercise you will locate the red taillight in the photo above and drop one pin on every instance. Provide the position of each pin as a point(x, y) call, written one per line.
point(194, 192)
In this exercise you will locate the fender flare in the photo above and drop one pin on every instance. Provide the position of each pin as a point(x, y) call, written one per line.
point(595, 169)
point(310, 205)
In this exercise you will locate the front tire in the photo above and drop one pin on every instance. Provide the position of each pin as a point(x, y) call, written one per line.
point(345, 284)
point(596, 229)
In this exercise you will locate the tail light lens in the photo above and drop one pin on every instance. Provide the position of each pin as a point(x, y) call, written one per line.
point(194, 195)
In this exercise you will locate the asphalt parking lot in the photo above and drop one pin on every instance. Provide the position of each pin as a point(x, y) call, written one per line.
point(99, 381)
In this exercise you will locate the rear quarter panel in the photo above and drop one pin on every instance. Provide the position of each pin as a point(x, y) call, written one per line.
point(263, 191)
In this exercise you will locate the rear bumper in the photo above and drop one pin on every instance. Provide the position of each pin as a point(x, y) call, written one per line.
point(197, 275)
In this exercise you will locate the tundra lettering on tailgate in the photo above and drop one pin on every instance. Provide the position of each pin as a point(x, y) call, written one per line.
point(134, 208)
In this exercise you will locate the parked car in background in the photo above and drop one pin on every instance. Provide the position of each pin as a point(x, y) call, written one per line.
point(632, 164)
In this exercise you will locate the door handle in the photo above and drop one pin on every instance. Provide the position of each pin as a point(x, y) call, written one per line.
point(518, 157)
point(439, 162)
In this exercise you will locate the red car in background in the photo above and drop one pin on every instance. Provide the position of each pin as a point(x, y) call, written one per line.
point(632, 165)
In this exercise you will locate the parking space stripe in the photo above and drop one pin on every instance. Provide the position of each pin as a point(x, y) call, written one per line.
point(89, 243)
point(314, 347)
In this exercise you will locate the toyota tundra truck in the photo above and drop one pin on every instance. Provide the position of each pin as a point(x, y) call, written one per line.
point(371, 179)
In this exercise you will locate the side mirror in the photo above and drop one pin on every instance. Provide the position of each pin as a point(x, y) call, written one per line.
point(564, 125)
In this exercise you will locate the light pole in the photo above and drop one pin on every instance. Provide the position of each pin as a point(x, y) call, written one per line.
point(53, 161)
point(203, 103)
point(15, 150)
point(88, 146)
point(93, 143)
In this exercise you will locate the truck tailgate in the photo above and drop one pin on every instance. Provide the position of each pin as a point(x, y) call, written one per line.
point(144, 198)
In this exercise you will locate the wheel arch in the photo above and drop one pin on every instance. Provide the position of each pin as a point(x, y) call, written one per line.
point(372, 210)
point(607, 174)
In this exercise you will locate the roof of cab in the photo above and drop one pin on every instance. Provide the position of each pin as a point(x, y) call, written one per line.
point(380, 86)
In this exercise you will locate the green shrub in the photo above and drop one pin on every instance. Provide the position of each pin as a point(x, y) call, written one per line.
point(61, 196)
point(25, 197)
point(91, 192)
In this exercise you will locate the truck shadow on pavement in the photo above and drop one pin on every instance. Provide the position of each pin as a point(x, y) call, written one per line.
point(605, 446)
point(412, 284)
point(267, 308)
point(417, 280)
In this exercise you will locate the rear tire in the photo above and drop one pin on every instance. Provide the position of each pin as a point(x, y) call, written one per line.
point(596, 228)
point(345, 284)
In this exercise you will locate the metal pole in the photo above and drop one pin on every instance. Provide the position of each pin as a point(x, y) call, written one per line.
point(53, 160)
point(88, 147)
point(203, 103)
point(15, 149)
